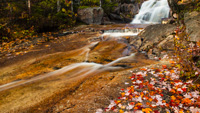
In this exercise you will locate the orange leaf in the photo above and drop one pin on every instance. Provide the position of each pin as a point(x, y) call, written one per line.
point(198, 43)
point(147, 103)
point(121, 111)
point(122, 94)
point(150, 99)
point(187, 101)
point(164, 66)
point(181, 111)
point(146, 110)
point(173, 97)
point(143, 69)
point(146, 97)
point(172, 62)
point(172, 71)
point(46, 45)
point(138, 104)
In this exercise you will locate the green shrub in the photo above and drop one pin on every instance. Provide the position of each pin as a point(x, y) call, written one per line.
point(90, 2)
point(83, 7)
point(198, 7)
point(46, 18)
point(109, 6)
point(4, 33)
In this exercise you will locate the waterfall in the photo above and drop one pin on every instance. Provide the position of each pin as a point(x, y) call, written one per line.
point(151, 12)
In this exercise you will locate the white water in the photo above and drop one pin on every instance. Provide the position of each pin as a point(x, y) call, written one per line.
point(86, 52)
point(120, 34)
point(120, 59)
point(151, 12)
point(84, 68)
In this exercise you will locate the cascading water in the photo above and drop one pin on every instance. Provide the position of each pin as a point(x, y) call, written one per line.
point(122, 32)
point(85, 69)
point(151, 12)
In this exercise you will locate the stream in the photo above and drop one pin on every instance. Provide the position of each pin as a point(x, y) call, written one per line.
point(110, 53)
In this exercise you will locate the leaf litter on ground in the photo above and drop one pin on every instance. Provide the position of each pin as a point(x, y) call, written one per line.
point(157, 90)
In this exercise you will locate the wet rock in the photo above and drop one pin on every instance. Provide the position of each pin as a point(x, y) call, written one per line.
point(67, 33)
point(92, 15)
point(167, 44)
point(56, 68)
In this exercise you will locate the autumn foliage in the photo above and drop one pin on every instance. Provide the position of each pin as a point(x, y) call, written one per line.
point(43, 16)
point(187, 54)
point(157, 91)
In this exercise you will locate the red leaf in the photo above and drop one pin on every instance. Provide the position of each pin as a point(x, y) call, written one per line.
point(184, 89)
point(164, 66)
point(156, 111)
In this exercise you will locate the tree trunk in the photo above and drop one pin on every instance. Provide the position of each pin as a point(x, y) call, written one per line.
point(29, 7)
point(173, 4)
point(58, 6)
point(11, 11)
point(177, 11)
point(72, 5)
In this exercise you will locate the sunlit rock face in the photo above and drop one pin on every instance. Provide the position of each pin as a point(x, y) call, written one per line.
point(191, 19)
point(151, 12)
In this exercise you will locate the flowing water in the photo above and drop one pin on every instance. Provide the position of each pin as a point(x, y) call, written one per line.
point(152, 11)
point(85, 68)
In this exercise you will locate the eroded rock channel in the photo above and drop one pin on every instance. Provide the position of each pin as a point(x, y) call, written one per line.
point(75, 73)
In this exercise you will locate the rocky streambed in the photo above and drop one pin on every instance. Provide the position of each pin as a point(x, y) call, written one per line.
point(45, 78)
point(80, 70)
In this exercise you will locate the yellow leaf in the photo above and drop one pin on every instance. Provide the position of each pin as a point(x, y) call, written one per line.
point(181, 111)
point(173, 97)
point(121, 111)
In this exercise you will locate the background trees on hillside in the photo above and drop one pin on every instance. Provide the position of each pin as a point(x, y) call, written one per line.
point(40, 15)
point(47, 15)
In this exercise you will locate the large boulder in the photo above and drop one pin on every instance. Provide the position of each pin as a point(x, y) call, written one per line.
point(129, 9)
point(92, 15)
point(154, 39)
point(124, 13)
point(192, 21)
point(152, 35)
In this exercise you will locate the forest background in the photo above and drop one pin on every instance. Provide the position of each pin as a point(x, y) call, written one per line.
point(25, 18)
